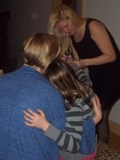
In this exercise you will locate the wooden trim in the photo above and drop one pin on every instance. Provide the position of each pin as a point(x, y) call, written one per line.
point(55, 3)
point(82, 8)
point(114, 127)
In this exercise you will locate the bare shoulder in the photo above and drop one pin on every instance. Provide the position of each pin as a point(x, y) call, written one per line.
point(97, 29)
point(95, 25)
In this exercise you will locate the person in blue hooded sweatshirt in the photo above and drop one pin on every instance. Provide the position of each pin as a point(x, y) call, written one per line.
point(27, 87)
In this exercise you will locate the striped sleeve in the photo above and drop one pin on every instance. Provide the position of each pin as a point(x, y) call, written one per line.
point(83, 76)
point(70, 139)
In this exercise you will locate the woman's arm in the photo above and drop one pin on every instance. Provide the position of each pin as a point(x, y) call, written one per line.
point(102, 39)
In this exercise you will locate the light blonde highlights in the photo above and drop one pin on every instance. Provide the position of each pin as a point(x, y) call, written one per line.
point(53, 30)
point(60, 13)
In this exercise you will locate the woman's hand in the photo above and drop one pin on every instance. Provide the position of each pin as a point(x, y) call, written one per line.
point(37, 120)
point(67, 58)
point(97, 109)
point(80, 63)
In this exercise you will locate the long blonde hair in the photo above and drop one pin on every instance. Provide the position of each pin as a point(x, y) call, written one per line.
point(40, 49)
point(60, 13)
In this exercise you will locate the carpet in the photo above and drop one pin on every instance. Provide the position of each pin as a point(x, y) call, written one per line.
point(106, 152)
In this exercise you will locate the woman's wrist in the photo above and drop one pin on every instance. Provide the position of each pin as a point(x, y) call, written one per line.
point(82, 63)
point(85, 63)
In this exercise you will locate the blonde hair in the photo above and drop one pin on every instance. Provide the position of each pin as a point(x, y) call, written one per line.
point(60, 13)
point(40, 49)
point(62, 37)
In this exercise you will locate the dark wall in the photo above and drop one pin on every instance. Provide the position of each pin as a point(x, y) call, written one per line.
point(26, 17)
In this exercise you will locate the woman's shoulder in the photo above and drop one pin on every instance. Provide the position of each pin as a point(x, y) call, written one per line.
point(92, 22)
point(94, 25)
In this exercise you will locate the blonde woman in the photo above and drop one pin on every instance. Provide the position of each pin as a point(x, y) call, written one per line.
point(96, 50)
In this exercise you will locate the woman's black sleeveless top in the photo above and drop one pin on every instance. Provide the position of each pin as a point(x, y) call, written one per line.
point(106, 77)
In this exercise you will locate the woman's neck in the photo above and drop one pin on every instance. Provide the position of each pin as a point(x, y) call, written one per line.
point(79, 33)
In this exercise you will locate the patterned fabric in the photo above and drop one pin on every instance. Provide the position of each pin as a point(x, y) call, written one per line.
point(71, 139)
point(106, 152)
point(83, 76)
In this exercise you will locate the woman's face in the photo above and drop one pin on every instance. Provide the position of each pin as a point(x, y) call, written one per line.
point(66, 26)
